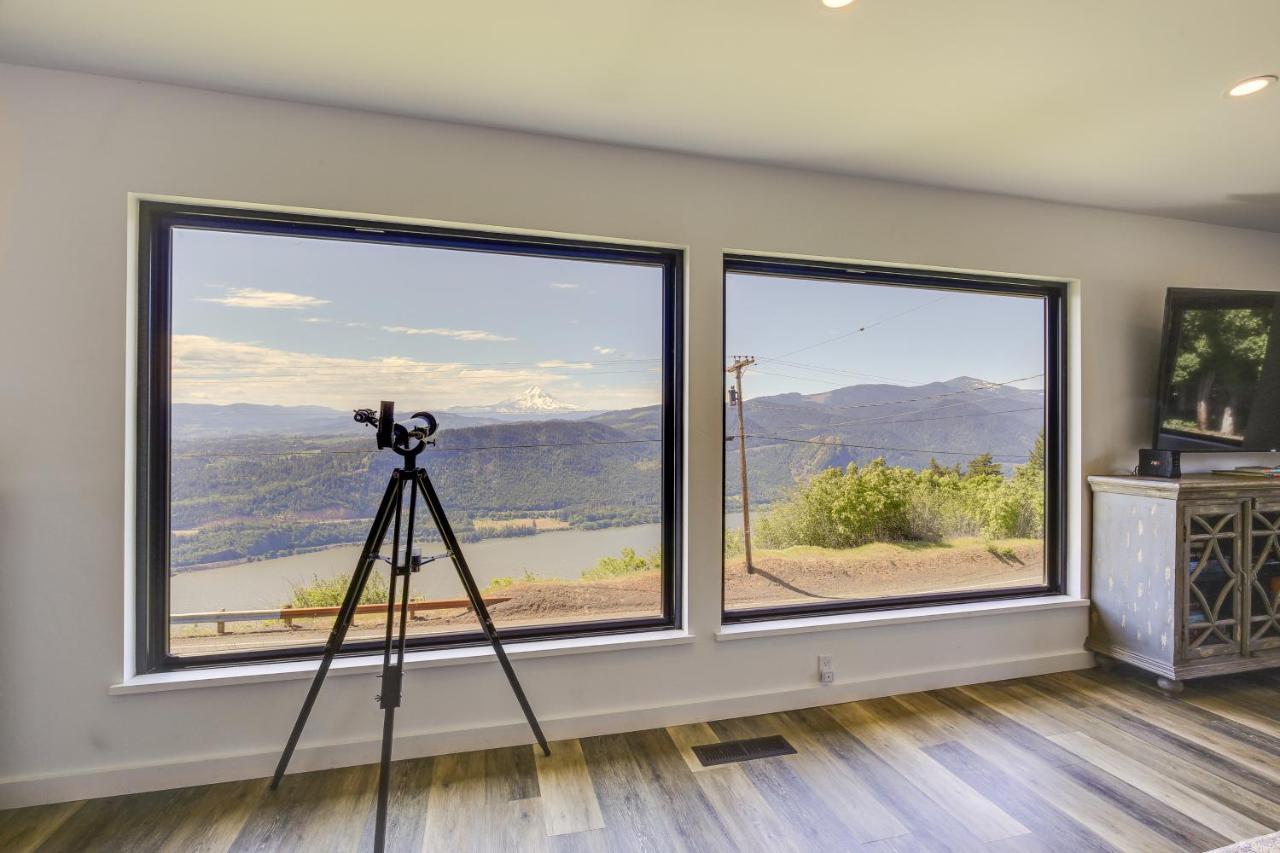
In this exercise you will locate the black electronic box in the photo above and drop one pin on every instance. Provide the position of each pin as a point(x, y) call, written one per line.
point(1159, 463)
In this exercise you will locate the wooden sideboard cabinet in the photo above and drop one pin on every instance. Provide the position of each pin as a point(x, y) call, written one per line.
point(1186, 575)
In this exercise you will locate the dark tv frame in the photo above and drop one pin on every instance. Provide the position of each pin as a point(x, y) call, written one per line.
point(1165, 366)
point(156, 219)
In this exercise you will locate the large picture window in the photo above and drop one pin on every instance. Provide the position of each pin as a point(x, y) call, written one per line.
point(551, 365)
point(892, 438)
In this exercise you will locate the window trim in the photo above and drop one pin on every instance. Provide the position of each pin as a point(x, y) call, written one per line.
point(151, 503)
point(1054, 293)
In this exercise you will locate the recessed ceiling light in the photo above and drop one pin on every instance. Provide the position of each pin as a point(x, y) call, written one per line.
point(836, 4)
point(1250, 86)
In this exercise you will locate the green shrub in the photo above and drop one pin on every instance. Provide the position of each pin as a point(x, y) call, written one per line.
point(498, 584)
point(331, 592)
point(502, 583)
point(882, 503)
point(627, 564)
point(733, 543)
point(947, 504)
point(844, 509)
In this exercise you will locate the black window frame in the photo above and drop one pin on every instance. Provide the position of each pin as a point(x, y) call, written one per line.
point(1055, 544)
point(156, 219)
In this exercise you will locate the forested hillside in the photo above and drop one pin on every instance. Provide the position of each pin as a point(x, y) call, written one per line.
point(258, 496)
point(253, 482)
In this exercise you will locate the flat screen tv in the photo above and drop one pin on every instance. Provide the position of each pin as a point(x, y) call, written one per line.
point(1219, 386)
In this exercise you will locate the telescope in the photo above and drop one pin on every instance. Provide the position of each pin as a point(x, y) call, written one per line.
point(409, 481)
point(398, 436)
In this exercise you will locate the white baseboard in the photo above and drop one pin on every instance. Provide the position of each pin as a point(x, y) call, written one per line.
point(127, 779)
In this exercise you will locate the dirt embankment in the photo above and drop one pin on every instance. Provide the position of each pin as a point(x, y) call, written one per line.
point(797, 575)
point(808, 575)
point(793, 576)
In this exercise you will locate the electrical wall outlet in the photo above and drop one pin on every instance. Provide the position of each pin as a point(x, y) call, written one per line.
point(826, 675)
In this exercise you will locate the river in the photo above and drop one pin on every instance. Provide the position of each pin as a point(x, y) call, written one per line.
point(267, 584)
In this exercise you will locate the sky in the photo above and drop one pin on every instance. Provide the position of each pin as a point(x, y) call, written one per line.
point(805, 335)
point(289, 320)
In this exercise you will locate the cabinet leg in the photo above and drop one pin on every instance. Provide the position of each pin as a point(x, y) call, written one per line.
point(1104, 663)
point(1171, 686)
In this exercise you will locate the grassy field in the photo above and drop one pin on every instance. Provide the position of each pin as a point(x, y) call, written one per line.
point(541, 525)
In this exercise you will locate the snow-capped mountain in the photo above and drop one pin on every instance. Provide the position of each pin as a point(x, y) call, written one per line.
point(534, 401)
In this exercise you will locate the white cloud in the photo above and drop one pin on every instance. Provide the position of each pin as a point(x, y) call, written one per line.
point(458, 334)
point(252, 297)
point(572, 365)
point(564, 285)
point(212, 370)
point(330, 320)
point(605, 350)
point(617, 397)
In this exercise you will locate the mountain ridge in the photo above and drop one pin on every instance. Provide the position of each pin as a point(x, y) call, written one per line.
point(532, 401)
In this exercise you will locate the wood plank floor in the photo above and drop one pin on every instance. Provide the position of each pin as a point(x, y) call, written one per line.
point(1072, 762)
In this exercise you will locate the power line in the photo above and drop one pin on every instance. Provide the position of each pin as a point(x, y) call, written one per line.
point(403, 368)
point(431, 450)
point(836, 370)
point(818, 379)
point(413, 372)
point(535, 363)
point(266, 455)
point(893, 449)
point(862, 328)
point(562, 444)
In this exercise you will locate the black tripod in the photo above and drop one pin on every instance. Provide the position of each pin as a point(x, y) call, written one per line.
point(408, 443)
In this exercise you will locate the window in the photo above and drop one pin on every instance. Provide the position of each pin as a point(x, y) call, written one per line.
point(892, 438)
point(551, 365)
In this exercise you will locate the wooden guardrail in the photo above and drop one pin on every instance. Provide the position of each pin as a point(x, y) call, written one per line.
point(220, 618)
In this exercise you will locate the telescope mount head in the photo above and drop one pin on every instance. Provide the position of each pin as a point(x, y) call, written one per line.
point(406, 439)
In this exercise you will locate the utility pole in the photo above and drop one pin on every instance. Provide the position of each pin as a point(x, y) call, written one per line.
point(741, 363)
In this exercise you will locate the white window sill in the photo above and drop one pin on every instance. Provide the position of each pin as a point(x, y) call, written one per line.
point(807, 624)
point(304, 669)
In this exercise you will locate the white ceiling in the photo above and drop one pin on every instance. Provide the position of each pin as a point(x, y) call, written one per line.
point(1117, 103)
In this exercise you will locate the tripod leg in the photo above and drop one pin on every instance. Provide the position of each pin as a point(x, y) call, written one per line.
point(393, 660)
point(346, 614)
point(477, 603)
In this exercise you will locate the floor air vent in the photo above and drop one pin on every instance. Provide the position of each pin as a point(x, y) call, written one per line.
point(730, 751)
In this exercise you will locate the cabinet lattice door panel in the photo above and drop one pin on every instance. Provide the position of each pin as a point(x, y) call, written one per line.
point(1263, 579)
point(1213, 580)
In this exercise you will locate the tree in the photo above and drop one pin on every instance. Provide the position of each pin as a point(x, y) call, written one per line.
point(1035, 461)
point(940, 470)
point(1218, 352)
point(984, 465)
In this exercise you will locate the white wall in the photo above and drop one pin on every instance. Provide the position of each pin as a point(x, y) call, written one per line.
point(73, 146)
